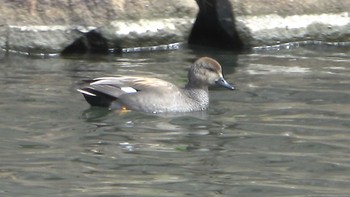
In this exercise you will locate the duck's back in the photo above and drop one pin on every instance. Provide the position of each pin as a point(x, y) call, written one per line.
point(143, 94)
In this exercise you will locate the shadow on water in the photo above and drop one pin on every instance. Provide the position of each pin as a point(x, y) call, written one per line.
point(283, 132)
point(94, 113)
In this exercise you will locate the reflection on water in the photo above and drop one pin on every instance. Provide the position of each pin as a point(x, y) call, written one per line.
point(283, 132)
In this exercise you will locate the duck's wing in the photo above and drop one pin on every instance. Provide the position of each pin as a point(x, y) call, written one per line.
point(116, 86)
point(102, 91)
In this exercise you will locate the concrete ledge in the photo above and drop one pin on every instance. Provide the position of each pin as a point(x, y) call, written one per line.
point(33, 26)
point(274, 29)
point(144, 32)
point(40, 39)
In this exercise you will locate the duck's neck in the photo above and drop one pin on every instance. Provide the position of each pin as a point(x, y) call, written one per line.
point(199, 94)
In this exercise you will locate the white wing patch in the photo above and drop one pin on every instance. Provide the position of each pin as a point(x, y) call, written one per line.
point(128, 89)
point(86, 92)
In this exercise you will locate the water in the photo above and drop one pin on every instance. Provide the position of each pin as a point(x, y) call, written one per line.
point(285, 131)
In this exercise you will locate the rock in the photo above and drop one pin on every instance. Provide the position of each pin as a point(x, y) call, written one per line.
point(237, 24)
point(145, 32)
point(40, 39)
point(215, 25)
point(40, 26)
point(270, 22)
point(124, 35)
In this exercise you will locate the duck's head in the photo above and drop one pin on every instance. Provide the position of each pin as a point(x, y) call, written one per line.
point(207, 71)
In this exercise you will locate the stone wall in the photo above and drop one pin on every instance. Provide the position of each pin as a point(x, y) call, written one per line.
point(270, 22)
point(36, 26)
point(41, 26)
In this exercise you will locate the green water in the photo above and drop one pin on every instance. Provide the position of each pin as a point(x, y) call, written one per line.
point(285, 131)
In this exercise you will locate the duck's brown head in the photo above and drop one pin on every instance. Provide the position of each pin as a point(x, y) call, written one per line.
point(206, 71)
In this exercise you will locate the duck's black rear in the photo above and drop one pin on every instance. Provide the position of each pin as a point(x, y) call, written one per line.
point(96, 98)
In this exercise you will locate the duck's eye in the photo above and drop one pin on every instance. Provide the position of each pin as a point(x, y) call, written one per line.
point(211, 69)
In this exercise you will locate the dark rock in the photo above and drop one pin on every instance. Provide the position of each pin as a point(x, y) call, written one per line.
point(215, 25)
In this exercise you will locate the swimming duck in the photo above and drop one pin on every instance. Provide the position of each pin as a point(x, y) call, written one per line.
point(156, 95)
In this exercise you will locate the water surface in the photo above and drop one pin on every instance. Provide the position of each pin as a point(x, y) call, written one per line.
point(285, 131)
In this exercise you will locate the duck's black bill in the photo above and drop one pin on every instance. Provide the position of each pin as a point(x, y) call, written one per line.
point(222, 82)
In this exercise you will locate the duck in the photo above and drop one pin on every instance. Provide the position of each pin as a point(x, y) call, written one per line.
point(155, 95)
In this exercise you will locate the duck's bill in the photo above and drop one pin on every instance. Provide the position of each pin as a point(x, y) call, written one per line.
point(222, 82)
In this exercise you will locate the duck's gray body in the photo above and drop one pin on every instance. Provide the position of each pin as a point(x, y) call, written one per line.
point(156, 95)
